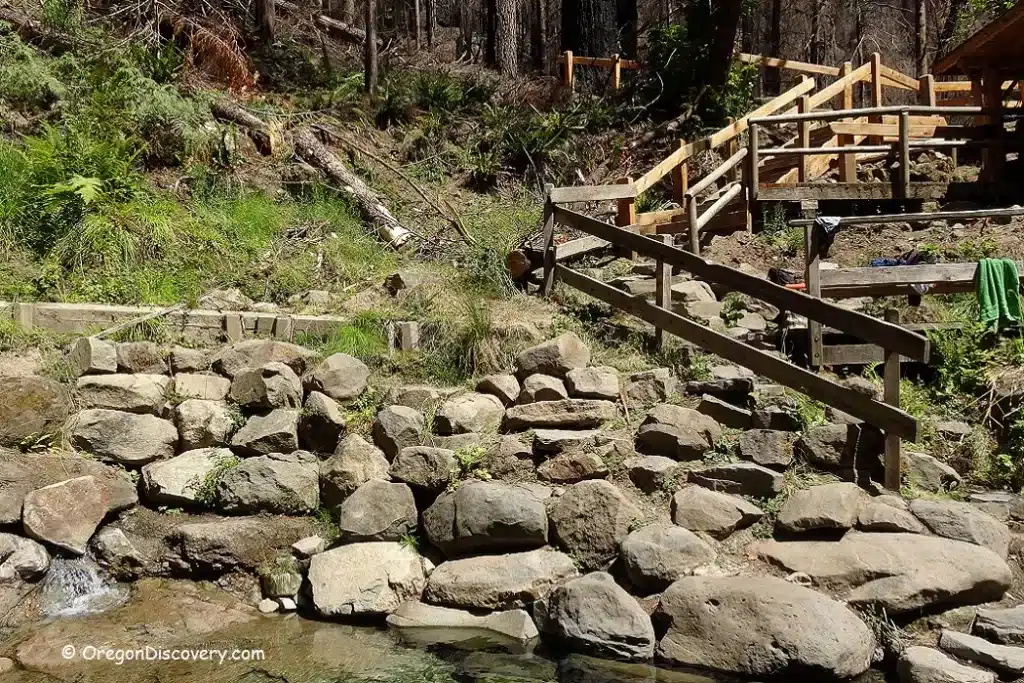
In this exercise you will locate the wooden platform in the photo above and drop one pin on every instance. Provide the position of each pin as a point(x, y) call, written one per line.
point(791, 192)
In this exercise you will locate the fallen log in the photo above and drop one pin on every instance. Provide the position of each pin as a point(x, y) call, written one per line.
point(313, 152)
point(262, 134)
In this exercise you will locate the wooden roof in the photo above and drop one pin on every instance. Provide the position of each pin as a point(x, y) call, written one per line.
point(998, 44)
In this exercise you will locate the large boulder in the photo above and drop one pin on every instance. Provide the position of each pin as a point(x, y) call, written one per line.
point(658, 554)
point(66, 514)
point(670, 441)
point(927, 665)
point(716, 514)
point(486, 516)
point(928, 472)
point(269, 386)
point(378, 511)
point(397, 427)
point(356, 462)
point(125, 438)
point(92, 356)
point(204, 424)
point(321, 423)
point(186, 479)
point(130, 393)
point(253, 353)
point(554, 357)
point(571, 413)
point(425, 468)
point(505, 387)
point(277, 483)
point(490, 582)
point(31, 407)
point(21, 559)
point(275, 432)
point(542, 388)
point(364, 579)
point(1007, 660)
point(963, 522)
point(340, 376)
point(685, 419)
point(593, 615)
point(205, 387)
point(214, 546)
point(766, 447)
point(888, 513)
point(469, 413)
point(600, 383)
point(142, 357)
point(761, 627)
point(828, 506)
point(1004, 626)
point(513, 626)
point(590, 520)
point(745, 479)
point(902, 573)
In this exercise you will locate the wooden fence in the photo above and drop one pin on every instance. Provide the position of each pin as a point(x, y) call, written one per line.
point(615, 64)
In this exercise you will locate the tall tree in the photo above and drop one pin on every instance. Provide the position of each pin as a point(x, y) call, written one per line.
point(721, 20)
point(539, 35)
point(431, 21)
point(773, 75)
point(491, 32)
point(370, 49)
point(921, 36)
point(628, 19)
point(506, 36)
point(589, 27)
point(266, 20)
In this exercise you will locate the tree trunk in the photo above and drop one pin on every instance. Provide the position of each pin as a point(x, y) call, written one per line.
point(921, 36)
point(370, 49)
point(491, 32)
point(773, 75)
point(417, 20)
point(948, 33)
point(506, 38)
point(341, 30)
point(263, 136)
point(374, 212)
point(589, 27)
point(628, 20)
point(726, 21)
point(464, 45)
point(815, 53)
point(348, 11)
point(265, 20)
point(430, 21)
point(538, 36)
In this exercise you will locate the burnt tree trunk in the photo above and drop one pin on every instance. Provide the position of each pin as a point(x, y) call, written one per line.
point(506, 36)
point(725, 18)
point(265, 20)
point(539, 36)
point(628, 25)
point(370, 49)
point(431, 21)
point(589, 27)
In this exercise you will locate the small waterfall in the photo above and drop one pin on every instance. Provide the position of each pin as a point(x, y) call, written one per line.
point(76, 587)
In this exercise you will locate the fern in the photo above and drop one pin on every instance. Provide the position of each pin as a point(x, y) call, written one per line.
point(87, 189)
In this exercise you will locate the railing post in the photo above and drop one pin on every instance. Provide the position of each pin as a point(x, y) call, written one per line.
point(993, 157)
point(752, 161)
point(616, 72)
point(926, 95)
point(663, 292)
point(549, 242)
point(847, 162)
point(893, 460)
point(804, 127)
point(876, 93)
point(812, 279)
point(731, 147)
point(567, 75)
point(693, 219)
point(680, 180)
point(626, 214)
point(904, 178)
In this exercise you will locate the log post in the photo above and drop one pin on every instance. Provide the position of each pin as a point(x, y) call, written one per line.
point(993, 157)
point(876, 93)
point(567, 75)
point(812, 279)
point(549, 243)
point(694, 219)
point(731, 147)
point(926, 95)
point(616, 72)
point(904, 161)
point(893, 460)
point(680, 180)
point(847, 162)
point(626, 214)
point(663, 292)
point(752, 161)
point(804, 128)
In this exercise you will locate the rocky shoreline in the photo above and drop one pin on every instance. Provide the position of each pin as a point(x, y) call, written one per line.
point(562, 502)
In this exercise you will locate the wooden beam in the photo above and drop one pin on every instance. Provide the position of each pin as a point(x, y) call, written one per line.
point(720, 172)
point(790, 192)
point(804, 138)
point(893, 462)
point(888, 130)
point(900, 79)
point(790, 64)
point(892, 420)
point(732, 193)
point(926, 94)
point(847, 162)
point(827, 93)
point(549, 245)
point(853, 322)
point(972, 215)
point(662, 292)
point(903, 184)
point(913, 109)
point(591, 193)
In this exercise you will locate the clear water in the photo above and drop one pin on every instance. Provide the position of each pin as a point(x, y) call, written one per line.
point(77, 587)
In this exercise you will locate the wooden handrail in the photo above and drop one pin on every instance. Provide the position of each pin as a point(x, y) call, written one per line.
point(709, 180)
point(789, 64)
point(835, 89)
point(591, 193)
point(606, 62)
point(900, 79)
point(734, 191)
point(974, 214)
point(868, 111)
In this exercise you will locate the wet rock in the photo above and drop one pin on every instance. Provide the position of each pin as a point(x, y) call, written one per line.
point(125, 438)
point(766, 447)
point(66, 514)
point(542, 388)
point(275, 432)
point(115, 552)
point(658, 554)
point(252, 353)
point(600, 383)
point(267, 606)
point(590, 521)
point(492, 582)
point(828, 506)
point(745, 479)
point(651, 473)
point(186, 479)
point(505, 387)
point(761, 627)
point(486, 516)
point(470, 412)
point(554, 357)
point(31, 407)
point(651, 386)
point(356, 462)
point(928, 472)
point(204, 424)
point(963, 522)
point(512, 625)
point(128, 393)
point(21, 559)
point(572, 413)
point(423, 467)
point(397, 427)
point(91, 356)
point(364, 578)
point(321, 423)
point(269, 386)
point(1007, 660)
point(140, 358)
point(717, 514)
point(204, 387)
point(277, 483)
point(573, 467)
point(927, 665)
point(377, 511)
point(185, 360)
point(593, 615)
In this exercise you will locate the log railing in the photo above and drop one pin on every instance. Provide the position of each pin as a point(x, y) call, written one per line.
point(615, 64)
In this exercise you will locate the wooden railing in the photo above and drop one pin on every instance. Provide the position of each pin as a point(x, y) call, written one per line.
point(616, 64)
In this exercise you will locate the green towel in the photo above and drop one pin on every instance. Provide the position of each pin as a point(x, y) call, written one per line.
point(999, 292)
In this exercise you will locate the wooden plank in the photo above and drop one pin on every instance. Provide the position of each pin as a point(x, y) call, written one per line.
point(810, 151)
point(847, 162)
point(971, 215)
point(900, 79)
point(788, 192)
point(863, 326)
point(720, 204)
point(827, 93)
point(662, 292)
point(903, 183)
point(656, 217)
point(592, 193)
point(549, 246)
point(578, 247)
point(812, 276)
point(914, 110)
point(804, 136)
point(859, 405)
point(790, 64)
point(887, 130)
point(932, 274)
point(952, 86)
point(607, 62)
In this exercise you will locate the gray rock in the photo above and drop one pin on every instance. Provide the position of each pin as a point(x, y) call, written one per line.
point(692, 290)
point(593, 615)
point(412, 617)
point(377, 511)
point(355, 462)
point(658, 554)
point(732, 390)
point(828, 506)
point(678, 443)
point(952, 429)
point(91, 356)
point(493, 582)
point(600, 383)
point(684, 418)
point(902, 573)
point(115, 552)
point(128, 393)
point(559, 440)
point(269, 386)
point(123, 437)
point(572, 413)
point(963, 522)
point(745, 479)
point(424, 467)
point(505, 387)
point(397, 427)
point(486, 516)
point(761, 627)
point(275, 432)
point(186, 479)
point(651, 473)
point(725, 413)
point(766, 447)
point(717, 514)
point(222, 545)
point(554, 357)
point(651, 386)
point(864, 386)
point(841, 447)
point(140, 358)
point(66, 514)
point(364, 578)
point(309, 546)
point(885, 514)
point(1004, 626)
point(32, 407)
point(573, 467)
point(230, 299)
point(189, 360)
point(204, 424)
point(277, 483)
point(777, 418)
point(542, 388)
point(928, 472)
point(422, 398)
point(204, 387)
point(590, 521)
point(340, 376)
point(1007, 660)
point(470, 412)
point(752, 322)
point(927, 665)
point(321, 423)
point(252, 353)
point(21, 559)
